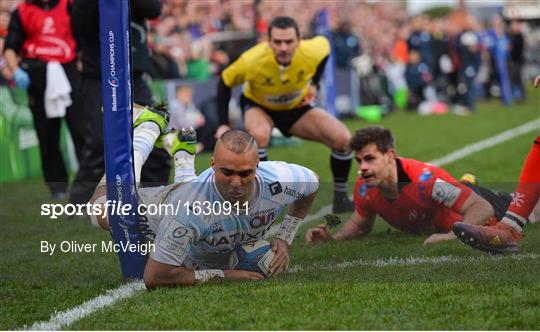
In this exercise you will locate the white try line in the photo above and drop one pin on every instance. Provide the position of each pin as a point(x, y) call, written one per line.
point(68, 317)
point(63, 319)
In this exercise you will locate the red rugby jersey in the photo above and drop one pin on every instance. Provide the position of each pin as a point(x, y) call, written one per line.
point(48, 33)
point(429, 198)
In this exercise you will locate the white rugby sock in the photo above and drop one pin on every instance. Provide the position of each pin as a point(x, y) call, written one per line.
point(184, 167)
point(144, 137)
point(514, 220)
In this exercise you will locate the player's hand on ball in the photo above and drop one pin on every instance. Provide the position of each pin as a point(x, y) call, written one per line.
point(242, 275)
point(434, 238)
point(281, 259)
point(318, 235)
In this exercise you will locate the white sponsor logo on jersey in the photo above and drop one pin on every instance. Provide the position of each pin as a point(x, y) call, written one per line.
point(445, 193)
point(176, 238)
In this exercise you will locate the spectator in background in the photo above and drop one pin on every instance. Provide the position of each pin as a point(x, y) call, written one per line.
point(219, 61)
point(86, 28)
point(482, 80)
point(198, 66)
point(421, 41)
point(185, 114)
point(400, 49)
point(39, 32)
point(517, 60)
point(468, 46)
point(498, 45)
point(418, 78)
point(345, 44)
point(442, 64)
point(162, 64)
point(395, 68)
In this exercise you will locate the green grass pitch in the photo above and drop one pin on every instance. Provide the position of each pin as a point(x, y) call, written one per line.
point(386, 280)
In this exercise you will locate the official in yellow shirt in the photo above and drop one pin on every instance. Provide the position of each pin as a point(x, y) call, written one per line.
point(281, 79)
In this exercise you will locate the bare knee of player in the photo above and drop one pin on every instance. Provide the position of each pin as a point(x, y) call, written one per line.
point(98, 215)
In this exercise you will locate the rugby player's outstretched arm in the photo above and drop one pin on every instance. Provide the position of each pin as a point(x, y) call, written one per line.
point(354, 227)
point(158, 274)
point(439, 237)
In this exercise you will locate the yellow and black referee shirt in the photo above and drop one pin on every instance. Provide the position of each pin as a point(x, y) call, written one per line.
point(275, 87)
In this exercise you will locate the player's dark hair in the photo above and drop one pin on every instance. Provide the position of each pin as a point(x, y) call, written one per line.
point(283, 22)
point(380, 136)
point(237, 141)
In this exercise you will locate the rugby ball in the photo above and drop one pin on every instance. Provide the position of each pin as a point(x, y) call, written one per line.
point(253, 256)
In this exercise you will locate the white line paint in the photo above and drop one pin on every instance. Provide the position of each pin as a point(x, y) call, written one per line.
point(68, 317)
point(63, 319)
point(409, 261)
point(487, 143)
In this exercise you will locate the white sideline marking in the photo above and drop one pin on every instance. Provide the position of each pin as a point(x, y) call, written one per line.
point(487, 143)
point(68, 317)
point(65, 318)
point(410, 261)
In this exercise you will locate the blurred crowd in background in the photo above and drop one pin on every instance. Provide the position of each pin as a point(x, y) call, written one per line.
point(191, 32)
point(450, 60)
point(196, 40)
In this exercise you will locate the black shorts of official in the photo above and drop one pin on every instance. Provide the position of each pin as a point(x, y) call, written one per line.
point(498, 200)
point(283, 120)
